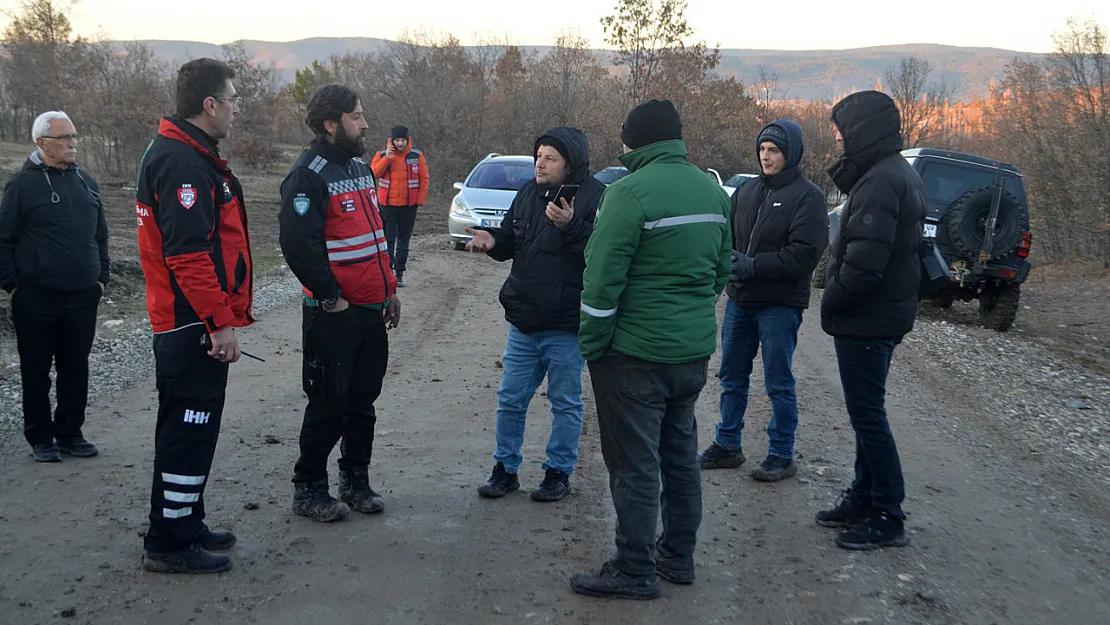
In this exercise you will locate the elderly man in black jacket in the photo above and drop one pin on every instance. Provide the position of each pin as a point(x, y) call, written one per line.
point(869, 304)
point(542, 296)
point(780, 230)
point(54, 262)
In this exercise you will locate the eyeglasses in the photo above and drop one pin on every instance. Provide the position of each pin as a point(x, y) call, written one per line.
point(236, 101)
point(65, 138)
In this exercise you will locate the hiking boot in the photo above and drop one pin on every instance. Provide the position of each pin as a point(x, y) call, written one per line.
point(775, 469)
point(675, 570)
point(879, 529)
point(192, 559)
point(848, 513)
point(611, 583)
point(355, 491)
point(555, 486)
point(46, 452)
point(311, 499)
point(78, 447)
point(500, 483)
point(717, 457)
point(214, 541)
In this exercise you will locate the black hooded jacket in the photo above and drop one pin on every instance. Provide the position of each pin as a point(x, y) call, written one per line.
point(781, 221)
point(544, 287)
point(875, 269)
point(53, 234)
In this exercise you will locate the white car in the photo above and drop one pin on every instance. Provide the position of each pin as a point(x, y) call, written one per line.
point(737, 181)
point(486, 194)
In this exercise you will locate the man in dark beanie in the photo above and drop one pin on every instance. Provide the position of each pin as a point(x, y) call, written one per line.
point(869, 304)
point(402, 177)
point(657, 261)
point(779, 231)
point(545, 236)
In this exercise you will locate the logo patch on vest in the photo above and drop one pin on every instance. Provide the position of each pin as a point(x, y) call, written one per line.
point(300, 204)
point(227, 193)
point(187, 195)
point(348, 204)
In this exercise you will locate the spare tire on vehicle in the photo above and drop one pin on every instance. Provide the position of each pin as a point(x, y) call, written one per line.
point(967, 222)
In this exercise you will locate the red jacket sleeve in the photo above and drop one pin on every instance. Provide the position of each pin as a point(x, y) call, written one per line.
point(187, 218)
point(379, 165)
point(423, 181)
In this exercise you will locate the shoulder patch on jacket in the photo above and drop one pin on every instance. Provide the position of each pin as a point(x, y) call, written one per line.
point(301, 204)
point(416, 152)
point(318, 164)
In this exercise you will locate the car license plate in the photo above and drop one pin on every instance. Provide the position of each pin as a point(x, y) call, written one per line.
point(931, 231)
point(491, 223)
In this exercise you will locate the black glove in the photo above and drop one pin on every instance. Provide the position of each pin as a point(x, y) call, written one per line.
point(743, 266)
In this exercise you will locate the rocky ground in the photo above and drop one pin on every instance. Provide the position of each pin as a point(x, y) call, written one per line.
point(1004, 445)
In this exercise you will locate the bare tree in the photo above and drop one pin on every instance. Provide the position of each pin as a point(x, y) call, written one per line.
point(919, 101)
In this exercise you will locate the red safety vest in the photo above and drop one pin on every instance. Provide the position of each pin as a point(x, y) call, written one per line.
point(353, 231)
point(412, 172)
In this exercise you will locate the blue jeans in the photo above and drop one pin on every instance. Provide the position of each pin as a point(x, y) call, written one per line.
point(745, 330)
point(527, 359)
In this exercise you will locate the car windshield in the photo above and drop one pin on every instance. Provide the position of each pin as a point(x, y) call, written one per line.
point(738, 180)
point(502, 176)
point(945, 182)
point(610, 175)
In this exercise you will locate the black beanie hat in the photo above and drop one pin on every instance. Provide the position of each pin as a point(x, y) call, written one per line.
point(777, 135)
point(556, 143)
point(651, 122)
point(399, 132)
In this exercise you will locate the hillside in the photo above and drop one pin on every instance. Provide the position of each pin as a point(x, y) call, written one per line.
point(809, 74)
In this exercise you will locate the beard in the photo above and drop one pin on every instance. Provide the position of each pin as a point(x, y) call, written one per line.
point(351, 144)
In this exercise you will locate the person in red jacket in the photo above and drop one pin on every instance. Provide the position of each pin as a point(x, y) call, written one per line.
point(196, 256)
point(402, 188)
point(333, 240)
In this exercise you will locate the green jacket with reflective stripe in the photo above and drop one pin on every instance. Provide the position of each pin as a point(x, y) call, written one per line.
point(658, 259)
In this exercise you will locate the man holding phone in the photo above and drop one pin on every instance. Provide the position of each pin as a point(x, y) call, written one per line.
point(545, 233)
point(402, 176)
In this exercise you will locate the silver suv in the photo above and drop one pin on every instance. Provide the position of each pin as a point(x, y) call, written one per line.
point(487, 193)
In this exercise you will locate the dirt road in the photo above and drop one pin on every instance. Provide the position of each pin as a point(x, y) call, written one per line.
point(997, 535)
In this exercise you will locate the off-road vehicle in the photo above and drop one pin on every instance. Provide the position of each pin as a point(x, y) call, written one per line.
point(967, 197)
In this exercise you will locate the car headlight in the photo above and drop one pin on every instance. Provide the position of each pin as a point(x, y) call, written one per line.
point(458, 207)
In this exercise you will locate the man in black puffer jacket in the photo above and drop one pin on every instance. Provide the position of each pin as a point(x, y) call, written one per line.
point(542, 298)
point(54, 262)
point(780, 229)
point(869, 304)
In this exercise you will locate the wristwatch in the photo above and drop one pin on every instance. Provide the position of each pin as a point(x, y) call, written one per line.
point(329, 303)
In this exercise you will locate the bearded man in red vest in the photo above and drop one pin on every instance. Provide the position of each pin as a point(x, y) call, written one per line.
point(402, 176)
point(333, 239)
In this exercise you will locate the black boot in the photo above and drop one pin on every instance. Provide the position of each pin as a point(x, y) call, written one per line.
point(355, 491)
point(673, 568)
point(717, 457)
point(192, 559)
point(311, 499)
point(400, 278)
point(849, 512)
point(215, 541)
point(78, 447)
point(611, 583)
point(46, 452)
point(555, 486)
point(500, 483)
point(775, 469)
point(879, 529)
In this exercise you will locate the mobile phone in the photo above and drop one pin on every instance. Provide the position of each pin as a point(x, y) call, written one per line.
point(566, 192)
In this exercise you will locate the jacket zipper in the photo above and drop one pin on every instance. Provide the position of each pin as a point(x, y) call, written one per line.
point(374, 228)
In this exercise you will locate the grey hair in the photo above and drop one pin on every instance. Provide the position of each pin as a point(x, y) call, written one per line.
point(41, 127)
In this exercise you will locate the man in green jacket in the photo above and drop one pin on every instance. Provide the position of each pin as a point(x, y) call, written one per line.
point(656, 263)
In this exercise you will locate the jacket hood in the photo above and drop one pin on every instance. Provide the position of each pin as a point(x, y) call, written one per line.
point(34, 161)
point(574, 146)
point(795, 140)
point(673, 150)
point(871, 127)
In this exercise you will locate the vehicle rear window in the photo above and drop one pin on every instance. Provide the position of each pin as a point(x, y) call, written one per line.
point(945, 182)
point(502, 176)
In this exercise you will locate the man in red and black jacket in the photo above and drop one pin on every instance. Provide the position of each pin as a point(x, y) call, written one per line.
point(196, 257)
point(334, 242)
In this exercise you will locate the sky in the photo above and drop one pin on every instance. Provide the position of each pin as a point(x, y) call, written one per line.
point(797, 25)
